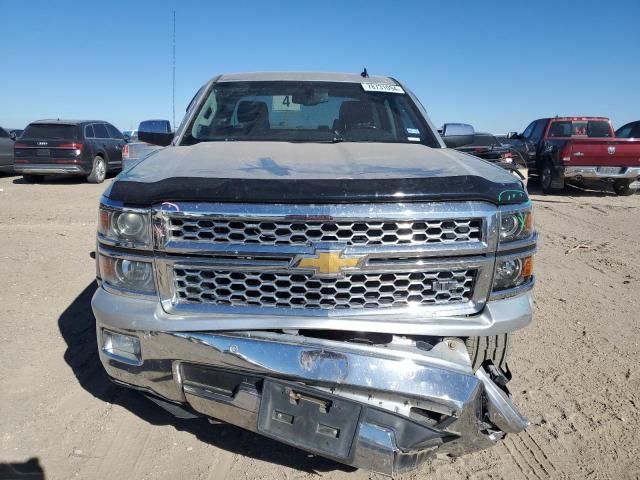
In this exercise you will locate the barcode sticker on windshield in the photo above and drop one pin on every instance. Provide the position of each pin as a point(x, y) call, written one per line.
point(382, 87)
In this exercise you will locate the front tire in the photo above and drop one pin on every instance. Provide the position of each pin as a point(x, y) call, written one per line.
point(99, 170)
point(494, 348)
point(546, 178)
point(33, 178)
point(623, 188)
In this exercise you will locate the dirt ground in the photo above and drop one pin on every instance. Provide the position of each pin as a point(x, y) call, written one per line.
point(576, 369)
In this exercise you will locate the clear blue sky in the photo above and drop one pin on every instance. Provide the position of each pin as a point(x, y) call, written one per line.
point(495, 65)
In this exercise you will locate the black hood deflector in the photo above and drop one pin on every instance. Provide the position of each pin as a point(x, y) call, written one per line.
point(194, 189)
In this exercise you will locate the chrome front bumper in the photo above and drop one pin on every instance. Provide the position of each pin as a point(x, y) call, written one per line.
point(593, 173)
point(385, 385)
point(498, 316)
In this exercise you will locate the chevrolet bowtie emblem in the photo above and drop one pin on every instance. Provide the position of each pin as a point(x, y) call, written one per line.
point(328, 262)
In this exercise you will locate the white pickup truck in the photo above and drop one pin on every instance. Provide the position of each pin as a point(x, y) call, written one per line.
point(308, 259)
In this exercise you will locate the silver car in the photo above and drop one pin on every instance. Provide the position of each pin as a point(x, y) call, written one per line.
point(6, 152)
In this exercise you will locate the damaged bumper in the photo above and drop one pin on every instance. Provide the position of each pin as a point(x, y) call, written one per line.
point(385, 409)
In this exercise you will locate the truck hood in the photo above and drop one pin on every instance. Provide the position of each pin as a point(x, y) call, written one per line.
point(312, 173)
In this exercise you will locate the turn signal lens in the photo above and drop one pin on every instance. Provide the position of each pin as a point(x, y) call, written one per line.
point(527, 267)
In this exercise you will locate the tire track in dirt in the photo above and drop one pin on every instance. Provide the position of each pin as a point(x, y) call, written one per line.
point(519, 462)
point(527, 464)
point(531, 448)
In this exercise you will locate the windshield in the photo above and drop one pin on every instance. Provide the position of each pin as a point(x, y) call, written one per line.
point(307, 112)
point(51, 131)
point(580, 128)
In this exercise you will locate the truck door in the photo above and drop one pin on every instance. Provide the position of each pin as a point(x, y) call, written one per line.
point(534, 145)
point(531, 138)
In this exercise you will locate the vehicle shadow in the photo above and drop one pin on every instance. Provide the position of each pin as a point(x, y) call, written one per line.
point(29, 470)
point(58, 179)
point(572, 190)
point(77, 326)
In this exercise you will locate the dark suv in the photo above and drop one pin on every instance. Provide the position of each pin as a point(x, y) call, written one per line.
point(90, 148)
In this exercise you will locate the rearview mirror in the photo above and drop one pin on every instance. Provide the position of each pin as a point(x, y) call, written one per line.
point(457, 134)
point(311, 97)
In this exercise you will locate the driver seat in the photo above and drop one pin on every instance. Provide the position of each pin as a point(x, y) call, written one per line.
point(353, 114)
point(254, 116)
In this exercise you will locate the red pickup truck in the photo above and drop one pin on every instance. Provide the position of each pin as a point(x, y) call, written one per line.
point(579, 150)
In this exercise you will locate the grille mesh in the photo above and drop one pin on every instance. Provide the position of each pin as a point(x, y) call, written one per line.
point(216, 230)
point(291, 290)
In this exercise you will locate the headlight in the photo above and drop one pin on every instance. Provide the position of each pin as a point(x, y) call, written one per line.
point(516, 225)
point(128, 228)
point(512, 272)
point(128, 275)
point(129, 225)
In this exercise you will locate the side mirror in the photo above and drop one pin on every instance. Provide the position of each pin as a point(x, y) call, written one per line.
point(13, 136)
point(513, 135)
point(457, 134)
point(126, 138)
point(159, 126)
point(156, 132)
point(155, 138)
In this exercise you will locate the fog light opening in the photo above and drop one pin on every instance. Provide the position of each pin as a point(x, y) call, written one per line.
point(124, 348)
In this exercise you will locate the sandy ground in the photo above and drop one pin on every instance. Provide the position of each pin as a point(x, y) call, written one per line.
point(576, 369)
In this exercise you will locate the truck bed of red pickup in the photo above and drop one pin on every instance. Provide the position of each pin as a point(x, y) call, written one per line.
point(614, 152)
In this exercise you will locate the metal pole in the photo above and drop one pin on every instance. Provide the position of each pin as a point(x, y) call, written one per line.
point(174, 71)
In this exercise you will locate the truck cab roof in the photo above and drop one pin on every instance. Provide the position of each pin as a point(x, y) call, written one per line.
point(303, 76)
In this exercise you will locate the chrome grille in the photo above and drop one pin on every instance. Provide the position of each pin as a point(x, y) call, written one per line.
point(353, 291)
point(282, 232)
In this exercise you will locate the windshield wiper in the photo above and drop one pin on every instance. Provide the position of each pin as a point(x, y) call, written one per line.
point(337, 138)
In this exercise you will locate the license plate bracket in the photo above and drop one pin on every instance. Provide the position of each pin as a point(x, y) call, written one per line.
point(308, 419)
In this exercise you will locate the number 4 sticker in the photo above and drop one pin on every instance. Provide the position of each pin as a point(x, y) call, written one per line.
point(284, 103)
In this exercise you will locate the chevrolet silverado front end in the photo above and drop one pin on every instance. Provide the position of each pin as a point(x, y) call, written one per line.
point(350, 293)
